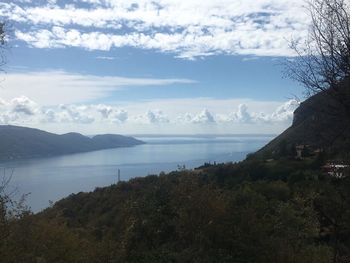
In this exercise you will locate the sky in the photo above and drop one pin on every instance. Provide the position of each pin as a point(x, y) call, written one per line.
point(151, 66)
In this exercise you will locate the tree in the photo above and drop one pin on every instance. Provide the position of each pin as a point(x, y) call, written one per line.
point(322, 66)
point(323, 61)
point(2, 42)
point(2, 33)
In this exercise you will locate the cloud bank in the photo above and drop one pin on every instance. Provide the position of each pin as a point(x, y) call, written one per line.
point(188, 29)
point(24, 111)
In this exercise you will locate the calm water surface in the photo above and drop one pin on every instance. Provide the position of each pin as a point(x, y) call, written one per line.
point(54, 178)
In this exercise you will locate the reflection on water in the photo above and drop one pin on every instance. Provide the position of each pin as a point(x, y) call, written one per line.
point(53, 178)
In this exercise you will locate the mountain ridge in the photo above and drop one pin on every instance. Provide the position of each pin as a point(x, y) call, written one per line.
point(18, 142)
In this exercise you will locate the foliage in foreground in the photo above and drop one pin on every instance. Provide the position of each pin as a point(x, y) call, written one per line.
point(284, 211)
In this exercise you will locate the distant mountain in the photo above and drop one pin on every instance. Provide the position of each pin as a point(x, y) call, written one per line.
point(22, 143)
point(321, 122)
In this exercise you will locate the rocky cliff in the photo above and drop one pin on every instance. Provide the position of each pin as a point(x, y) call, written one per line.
point(321, 122)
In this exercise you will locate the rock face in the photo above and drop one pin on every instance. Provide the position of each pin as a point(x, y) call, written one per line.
point(305, 111)
point(22, 143)
point(321, 122)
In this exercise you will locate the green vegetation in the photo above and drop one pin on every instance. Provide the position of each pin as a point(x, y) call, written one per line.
point(272, 207)
point(253, 211)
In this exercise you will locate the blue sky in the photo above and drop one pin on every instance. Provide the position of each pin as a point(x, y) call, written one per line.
point(142, 66)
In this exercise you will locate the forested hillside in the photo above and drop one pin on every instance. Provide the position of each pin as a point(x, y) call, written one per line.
point(281, 211)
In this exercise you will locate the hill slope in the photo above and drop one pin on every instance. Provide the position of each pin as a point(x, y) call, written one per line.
point(21, 143)
point(322, 122)
point(247, 212)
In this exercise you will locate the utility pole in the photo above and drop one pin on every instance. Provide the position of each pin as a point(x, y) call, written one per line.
point(118, 175)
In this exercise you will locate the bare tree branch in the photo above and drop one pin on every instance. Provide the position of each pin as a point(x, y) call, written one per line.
point(323, 61)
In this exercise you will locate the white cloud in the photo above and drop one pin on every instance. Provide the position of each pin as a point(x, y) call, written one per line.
point(18, 110)
point(23, 105)
point(151, 117)
point(156, 116)
point(242, 115)
point(188, 28)
point(282, 114)
point(111, 113)
point(75, 114)
point(141, 117)
point(119, 116)
point(204, 117)
point(54, 87)
point(285, 111)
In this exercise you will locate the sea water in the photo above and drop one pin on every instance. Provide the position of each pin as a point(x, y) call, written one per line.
point(50, 179)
